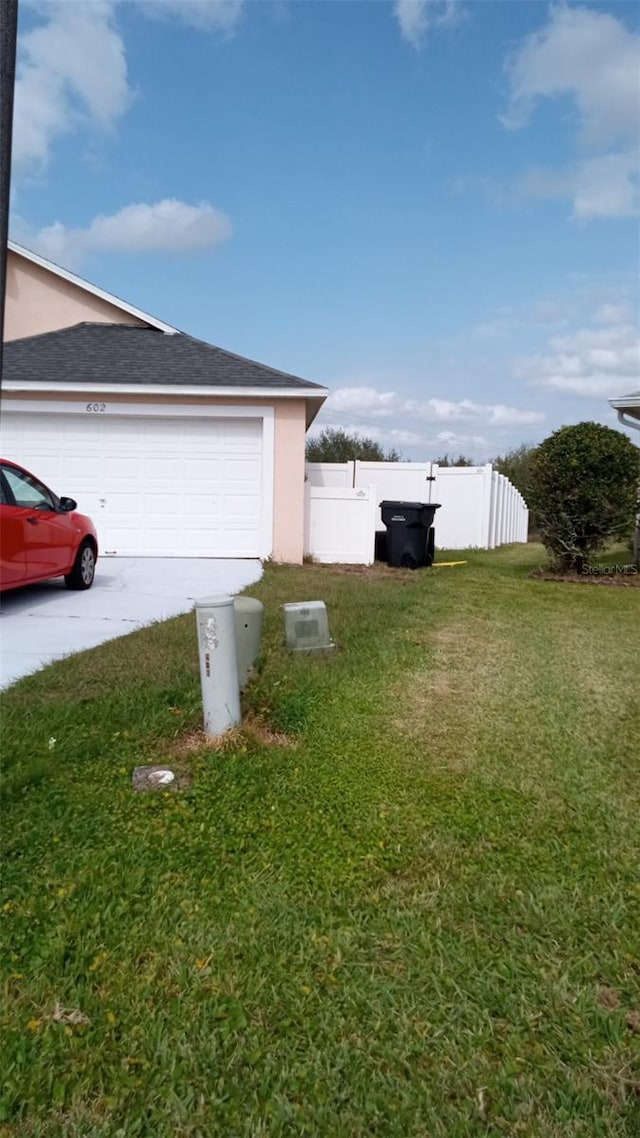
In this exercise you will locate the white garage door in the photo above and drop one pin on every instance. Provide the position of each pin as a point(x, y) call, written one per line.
point(154, 486)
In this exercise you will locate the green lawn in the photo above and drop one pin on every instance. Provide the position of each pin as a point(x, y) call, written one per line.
point(403, 902)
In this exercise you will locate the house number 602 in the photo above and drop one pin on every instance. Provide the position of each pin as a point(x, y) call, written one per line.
point(96, 408)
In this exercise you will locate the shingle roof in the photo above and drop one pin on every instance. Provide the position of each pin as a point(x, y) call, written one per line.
point(94, 353)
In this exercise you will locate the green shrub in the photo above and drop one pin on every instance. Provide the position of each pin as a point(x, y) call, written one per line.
point(583, 490)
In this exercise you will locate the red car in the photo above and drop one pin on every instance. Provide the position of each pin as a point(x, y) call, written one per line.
point(41, 535)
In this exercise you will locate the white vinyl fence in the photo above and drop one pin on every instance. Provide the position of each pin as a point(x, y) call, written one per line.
point(340, 524)
point(479, 508)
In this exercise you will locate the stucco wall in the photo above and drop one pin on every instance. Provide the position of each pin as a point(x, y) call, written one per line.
point(37, 301)
point(288, 515)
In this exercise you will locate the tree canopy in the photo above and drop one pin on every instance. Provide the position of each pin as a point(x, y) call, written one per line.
point(516, 466)
point(461, 460)
point(335, 445)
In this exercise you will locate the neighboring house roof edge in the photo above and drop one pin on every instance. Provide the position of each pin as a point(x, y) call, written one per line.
point(628, 408)
point(632, 400)
point(79, 282)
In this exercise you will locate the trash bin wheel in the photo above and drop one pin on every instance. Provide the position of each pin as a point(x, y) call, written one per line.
point(409, 561)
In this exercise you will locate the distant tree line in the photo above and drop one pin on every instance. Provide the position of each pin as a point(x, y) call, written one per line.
point(336, 445)
point(461, 460)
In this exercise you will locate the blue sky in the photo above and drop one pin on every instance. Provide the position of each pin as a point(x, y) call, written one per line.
point(430, 206)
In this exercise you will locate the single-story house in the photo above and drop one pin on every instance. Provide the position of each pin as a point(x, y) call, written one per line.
point(173, 446)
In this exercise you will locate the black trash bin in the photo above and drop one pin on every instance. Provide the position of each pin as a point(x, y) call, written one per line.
point(410, 535)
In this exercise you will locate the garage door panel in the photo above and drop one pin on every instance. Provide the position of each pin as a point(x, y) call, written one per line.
point(205, 468)
point(122, 503)
point(75, 427)
point(122, 466)
point(154, 486)
point(243, 506)
point(78, 466)
point(202, 543)
point(161, 469)
point(235, 433)
point(158, 504)
point(235, 486)
point(240, 470)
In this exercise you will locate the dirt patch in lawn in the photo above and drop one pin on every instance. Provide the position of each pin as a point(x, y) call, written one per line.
point(253, 731)
point(493, 686)
point(379, 571)
point(621, 580)
point(468, 671)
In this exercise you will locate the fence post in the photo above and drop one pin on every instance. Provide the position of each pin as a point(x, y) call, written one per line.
point(486, 506)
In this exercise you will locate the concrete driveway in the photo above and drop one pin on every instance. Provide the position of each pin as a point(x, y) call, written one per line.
point(41, 623)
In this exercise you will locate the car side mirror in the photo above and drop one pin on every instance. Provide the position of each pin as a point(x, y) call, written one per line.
point(68, 504)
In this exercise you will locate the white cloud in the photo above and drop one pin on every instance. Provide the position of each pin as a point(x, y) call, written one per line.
point(167, 226)
point(551, 311)
point(591, 58)
point(594, 386)
point(71, 69)
point(398, 438)
point(605, 185)
point(366, 400)
point(452, 439)
point(417, 17)
point(509, 322)
point(501, 415)
point(491, 415)
point(613, 314)
point(393, 437)
point(591, 362)
point(207, 15)
point(501, 325)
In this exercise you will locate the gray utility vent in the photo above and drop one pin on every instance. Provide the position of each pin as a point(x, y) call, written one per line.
point(307, 627)
point(249, 618)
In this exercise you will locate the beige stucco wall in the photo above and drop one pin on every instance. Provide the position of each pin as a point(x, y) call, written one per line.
point(289, 443)
point(39, 301)
point(288, 517)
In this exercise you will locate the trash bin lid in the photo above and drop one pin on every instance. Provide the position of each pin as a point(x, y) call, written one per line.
point(403, 505)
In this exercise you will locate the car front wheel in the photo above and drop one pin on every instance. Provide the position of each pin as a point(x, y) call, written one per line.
point(84, 568)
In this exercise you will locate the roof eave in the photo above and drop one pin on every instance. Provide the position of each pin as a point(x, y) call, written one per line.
point(628, 409)
point(314, 404)
point(315, 396)
point(627, 402)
